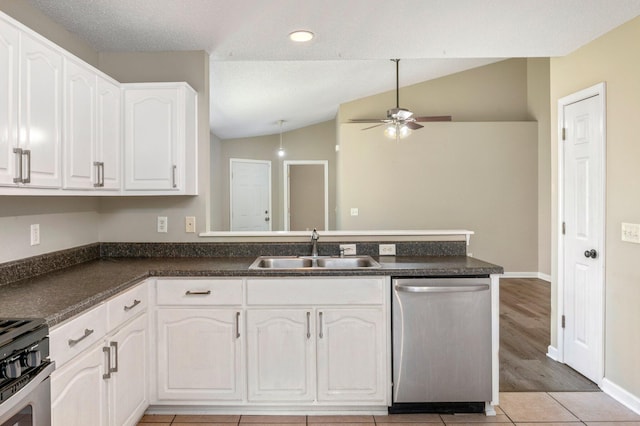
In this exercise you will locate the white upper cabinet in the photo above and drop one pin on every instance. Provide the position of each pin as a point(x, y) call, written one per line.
point(40, 119)
point(91, 129)
point(9, 43)
point(160, 138)
point(30, 110)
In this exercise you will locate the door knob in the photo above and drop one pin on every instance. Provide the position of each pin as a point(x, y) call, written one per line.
point(591, 253)
point(266, 219)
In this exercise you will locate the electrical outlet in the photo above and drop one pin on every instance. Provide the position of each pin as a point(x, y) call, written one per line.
point(163, 224)
point(387, 249)
point(349, 249)
point(354, 211)
point(35, 234)
point(631, 232)
point(190, 224)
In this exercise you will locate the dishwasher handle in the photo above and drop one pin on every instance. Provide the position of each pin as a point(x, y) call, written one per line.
point(409, 288)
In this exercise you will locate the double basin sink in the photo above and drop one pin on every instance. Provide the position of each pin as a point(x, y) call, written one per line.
point(314, 262)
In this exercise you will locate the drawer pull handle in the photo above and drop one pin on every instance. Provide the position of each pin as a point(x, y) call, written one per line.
point(136, 302)
point(87, 333)
point(196, 293)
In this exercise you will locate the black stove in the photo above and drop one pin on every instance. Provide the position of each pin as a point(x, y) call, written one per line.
point(24, 352)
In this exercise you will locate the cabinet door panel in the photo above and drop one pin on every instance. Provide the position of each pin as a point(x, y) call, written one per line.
point(40, 110)
point(351, 355)
point(8, 102)
point(80, 98)
point(128, 386)
point(151, 139)
point(281, 361)
point(78, 391)
point(108, 130)
point(199, 355)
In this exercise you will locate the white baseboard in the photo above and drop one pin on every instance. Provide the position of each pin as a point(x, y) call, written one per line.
point(538, 275)
point(552, 352)
point(621, 395)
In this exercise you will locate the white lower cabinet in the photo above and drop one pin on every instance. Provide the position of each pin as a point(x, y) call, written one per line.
point(78, 391)
point(199, 354)
point(102, 372)
point(281, 355)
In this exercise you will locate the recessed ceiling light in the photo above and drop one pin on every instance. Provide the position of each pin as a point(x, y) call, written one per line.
point(301, 36)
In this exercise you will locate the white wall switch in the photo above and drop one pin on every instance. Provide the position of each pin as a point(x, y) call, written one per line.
point(349, 249)
point(163, 224)
point(631, 232)
point(35, 234)
point(190, 224)
point(387, 249)
point(354, 211)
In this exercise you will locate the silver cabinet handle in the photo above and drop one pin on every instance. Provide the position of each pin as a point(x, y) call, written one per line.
point(87, 333)
point(441, 289)
point(196, 293)
point(321, 335)
point(173, 176)
point(99, 174)
point(237, 325)
point(114, 345)
point(27, 153)
point(18, 177)
point(135, 303)
point(308, 325)
point(107, 350)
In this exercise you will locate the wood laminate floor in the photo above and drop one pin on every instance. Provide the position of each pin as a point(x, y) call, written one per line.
point(525, 308)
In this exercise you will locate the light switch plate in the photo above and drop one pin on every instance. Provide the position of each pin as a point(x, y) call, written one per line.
point(631, 232)
point(354, 211)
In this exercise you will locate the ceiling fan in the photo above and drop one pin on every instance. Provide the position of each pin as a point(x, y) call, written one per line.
point(399, 121)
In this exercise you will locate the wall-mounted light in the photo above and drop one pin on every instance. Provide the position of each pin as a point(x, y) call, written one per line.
point(281, 152)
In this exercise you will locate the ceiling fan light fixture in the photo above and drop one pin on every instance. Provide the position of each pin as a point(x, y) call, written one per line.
point(301, 36)
point(397, 131)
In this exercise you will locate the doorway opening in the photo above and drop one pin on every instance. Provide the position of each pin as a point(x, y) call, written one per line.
point(306, 195)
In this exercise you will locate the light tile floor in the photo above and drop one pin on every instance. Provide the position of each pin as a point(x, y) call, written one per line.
point(519, 408)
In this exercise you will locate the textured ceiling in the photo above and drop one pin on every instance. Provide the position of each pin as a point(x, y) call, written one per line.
point(259, 76)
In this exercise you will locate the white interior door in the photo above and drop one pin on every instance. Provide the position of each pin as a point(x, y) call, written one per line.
point(250, 195)
point(583, 223)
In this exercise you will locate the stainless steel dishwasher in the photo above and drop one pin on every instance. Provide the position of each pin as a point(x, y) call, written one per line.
point(441, 344)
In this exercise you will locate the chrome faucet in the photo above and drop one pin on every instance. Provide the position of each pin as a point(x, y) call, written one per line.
point(314, 243)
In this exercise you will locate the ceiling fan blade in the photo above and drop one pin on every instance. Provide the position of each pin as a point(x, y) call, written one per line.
point(434, 118)
point(413, 125)
point(377, 125)
point(367, 120)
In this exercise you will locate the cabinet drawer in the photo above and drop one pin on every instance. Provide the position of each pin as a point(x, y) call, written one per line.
point(71, 338)
point(127, 305)
point(199, 292)
point(315, 291)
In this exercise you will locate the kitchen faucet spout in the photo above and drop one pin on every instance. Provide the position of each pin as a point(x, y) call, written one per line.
point(314, 243)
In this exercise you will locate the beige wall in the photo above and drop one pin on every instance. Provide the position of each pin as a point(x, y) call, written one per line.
point(539, 109)
point(615, 59)
point(316, 142)
point(477, 176)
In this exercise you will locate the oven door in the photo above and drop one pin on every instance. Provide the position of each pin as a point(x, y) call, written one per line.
point(31, 405)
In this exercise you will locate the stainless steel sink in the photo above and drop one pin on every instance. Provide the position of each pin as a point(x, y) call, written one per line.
point(310, 263)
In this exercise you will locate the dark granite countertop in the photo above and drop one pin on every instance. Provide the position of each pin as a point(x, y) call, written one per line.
point(59, 295)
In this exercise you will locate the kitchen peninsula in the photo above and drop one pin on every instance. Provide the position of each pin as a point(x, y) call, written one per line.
point(155, 300)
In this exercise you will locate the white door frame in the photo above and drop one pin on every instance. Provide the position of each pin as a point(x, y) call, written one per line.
point(242, 160)
point(286, 165)
point(600, 91)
